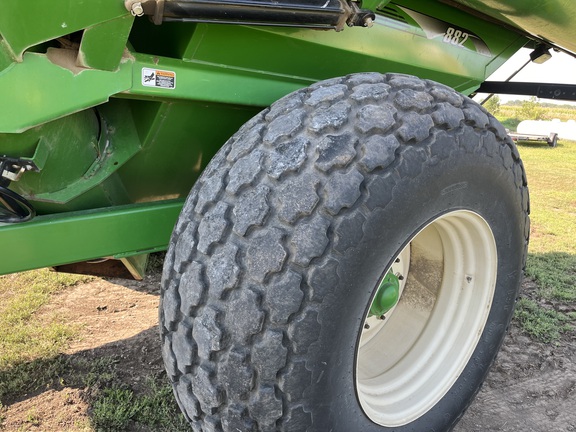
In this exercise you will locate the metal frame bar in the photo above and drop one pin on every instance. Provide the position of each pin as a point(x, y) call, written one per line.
point(565, 92)
point(87, 235)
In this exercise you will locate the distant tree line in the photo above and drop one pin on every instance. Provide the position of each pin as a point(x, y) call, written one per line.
point(544, 104)
point(531, 109)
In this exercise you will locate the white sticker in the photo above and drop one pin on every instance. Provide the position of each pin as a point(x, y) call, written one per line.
point(158, 78)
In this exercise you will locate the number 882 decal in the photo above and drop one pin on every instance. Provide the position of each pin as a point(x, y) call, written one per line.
point(435, 29)
point(455, 37)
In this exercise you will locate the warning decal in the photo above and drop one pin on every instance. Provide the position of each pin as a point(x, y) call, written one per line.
point(158, 78)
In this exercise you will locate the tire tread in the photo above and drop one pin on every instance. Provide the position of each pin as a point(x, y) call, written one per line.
point(241, 282)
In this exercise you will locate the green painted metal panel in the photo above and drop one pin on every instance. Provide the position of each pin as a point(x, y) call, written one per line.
point(171, 102)
point(72, 237)
point(63, 164)
point(115, 141)
point(554, 20)
point(24, 24)
point(45, 87)
point(285, 60)
point(220, 67)
point(103, 44)
point(178, 139)
point(213, 82)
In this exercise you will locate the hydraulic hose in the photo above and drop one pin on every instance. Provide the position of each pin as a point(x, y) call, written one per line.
point(14, 208)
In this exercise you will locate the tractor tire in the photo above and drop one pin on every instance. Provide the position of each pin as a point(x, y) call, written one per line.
point(284, 240)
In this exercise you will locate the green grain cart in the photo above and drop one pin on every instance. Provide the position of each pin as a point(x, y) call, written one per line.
point(346, 229)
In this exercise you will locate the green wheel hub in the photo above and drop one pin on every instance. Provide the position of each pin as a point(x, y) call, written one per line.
point(387, 295)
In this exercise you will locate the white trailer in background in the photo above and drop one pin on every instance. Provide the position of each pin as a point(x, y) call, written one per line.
point(551, 139)
point(545, 130)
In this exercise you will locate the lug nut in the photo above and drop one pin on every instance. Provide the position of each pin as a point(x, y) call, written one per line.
point(366, 326)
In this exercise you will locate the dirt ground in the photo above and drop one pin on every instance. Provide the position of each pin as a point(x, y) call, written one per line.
point(117, 318)
point(532, 386)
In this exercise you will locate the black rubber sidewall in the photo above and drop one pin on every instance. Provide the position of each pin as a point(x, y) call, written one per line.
point(465, 181)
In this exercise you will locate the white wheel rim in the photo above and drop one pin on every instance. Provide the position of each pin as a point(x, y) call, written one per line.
point(407, 362)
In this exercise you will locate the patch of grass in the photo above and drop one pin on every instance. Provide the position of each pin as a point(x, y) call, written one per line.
point(555, 275)
point(114, 405)
point(543, 324)
point(113, 410)
point(28, 377)
point(118, 407)
point(32, 418)
point(564, 112)
point(30, 343)
point(24, 336)
point(159, 409)
point(551, 260)
point(99, 372)
point(30, 361)
point(551, 180)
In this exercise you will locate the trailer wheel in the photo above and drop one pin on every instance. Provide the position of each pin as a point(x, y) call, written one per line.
point(349, 261)
point(553, 140)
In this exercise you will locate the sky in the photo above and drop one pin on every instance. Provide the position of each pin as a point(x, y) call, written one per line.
point(561, 68)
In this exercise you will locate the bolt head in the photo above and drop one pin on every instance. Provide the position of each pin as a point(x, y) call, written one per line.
point(137, 9)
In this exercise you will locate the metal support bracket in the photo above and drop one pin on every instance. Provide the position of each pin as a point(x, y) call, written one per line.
point(565, 92)
point(11, 169)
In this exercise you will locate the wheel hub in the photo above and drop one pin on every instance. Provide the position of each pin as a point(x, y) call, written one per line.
point(386, 296)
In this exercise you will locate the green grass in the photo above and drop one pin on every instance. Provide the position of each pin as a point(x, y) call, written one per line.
point(20, 329)
point(30, 342)
point(27, 377)
point(118, 407)
point(114, 406)
point(31, 361)
point(552, 252)
point(555, 274)
point(543, 324)
point(552, 182)
point(25, 336)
